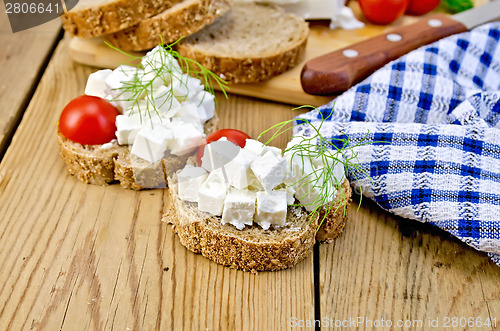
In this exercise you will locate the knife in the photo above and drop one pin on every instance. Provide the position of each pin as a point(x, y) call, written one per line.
point(337, 71)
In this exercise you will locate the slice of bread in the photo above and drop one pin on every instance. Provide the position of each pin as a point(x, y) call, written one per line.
point(250, 43)
point(183, 19)
point(93, 164)
point(253, 248)
point(93, 18)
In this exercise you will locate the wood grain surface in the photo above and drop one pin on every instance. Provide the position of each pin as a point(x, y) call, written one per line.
point(395, 269)
point(83, 257)
point(30, 48)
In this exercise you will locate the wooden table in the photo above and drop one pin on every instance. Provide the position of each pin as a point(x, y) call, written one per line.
point(76, 256)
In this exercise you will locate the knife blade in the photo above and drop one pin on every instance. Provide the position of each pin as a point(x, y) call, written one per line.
point(337, 71)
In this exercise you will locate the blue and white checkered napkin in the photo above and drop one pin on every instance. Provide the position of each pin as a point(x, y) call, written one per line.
point(433, 116)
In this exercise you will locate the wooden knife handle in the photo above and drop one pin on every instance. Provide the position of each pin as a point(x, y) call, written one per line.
point(337, 71)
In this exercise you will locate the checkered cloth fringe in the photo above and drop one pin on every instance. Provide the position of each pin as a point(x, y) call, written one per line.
point(432, 123)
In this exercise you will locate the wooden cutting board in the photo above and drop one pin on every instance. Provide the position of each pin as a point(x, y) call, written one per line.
point(284, 88)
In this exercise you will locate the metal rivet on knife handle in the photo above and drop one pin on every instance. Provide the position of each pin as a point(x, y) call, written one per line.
point(434, 23)
point(350, 53)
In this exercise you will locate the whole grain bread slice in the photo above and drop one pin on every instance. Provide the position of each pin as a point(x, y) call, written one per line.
point(93, 18)
point(183, 19)
point(250, 43)
point(113, 163)
point(253, 248)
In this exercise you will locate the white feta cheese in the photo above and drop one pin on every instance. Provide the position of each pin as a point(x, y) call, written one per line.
point(186, 87)
point(212, 193)
point(275, 150)
point(334, 160)
point(185, 138)
point(205, 101)
point(165, 102)
point(238, 169)
point(218, 154)
point(118, 80)
point(109, 145)
point(255, 147)
point(239, 208)
point(290, 195)
point(270, 170)
point(271, 208)
point(158, 58)
point(188, 113)
point(190, 180)
point(96, 84)
point(298, 167)
point(150, 144)
point(308, 191)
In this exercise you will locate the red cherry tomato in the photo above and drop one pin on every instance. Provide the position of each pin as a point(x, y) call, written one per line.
point(383, 11)
point(235, 136)
point(421, 7)
point(88, 120)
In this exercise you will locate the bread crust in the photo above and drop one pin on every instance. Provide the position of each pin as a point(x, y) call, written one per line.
point(93, 21)
point(93, 164)
point(252, 67)
point(264, 250)
point(333, 225)
point(170, 25)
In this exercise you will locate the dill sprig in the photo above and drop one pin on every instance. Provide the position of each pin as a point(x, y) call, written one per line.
point(159, 70)
point(323, 179)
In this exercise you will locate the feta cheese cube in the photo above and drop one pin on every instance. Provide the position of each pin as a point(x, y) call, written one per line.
point(96, 84)
point(190, 180)
point(127, 127)
point(218, 154)
point(308, 191)
point(276, 151)
point(238, 169)
point(290, 195)
point(212, 193)
point(117, 82)
point(186, 87)
point(165, 102)
point(270, 170)
point(271, 208)
point(239, 208)
point(150, 144)
point(159, 58)
point(185, 138)
point(255, 147)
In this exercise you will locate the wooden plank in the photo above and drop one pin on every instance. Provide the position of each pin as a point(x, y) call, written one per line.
point(22, 56)
point(400, 270)
point(76, 256)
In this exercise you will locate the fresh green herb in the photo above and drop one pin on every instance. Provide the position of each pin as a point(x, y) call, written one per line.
point(457, 6)
point(162, 69)
point(321, 179)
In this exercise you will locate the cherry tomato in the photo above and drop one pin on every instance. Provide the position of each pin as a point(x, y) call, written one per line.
point(421, 7)
point(88, 120)
point(383, 11)
point(235, 136)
